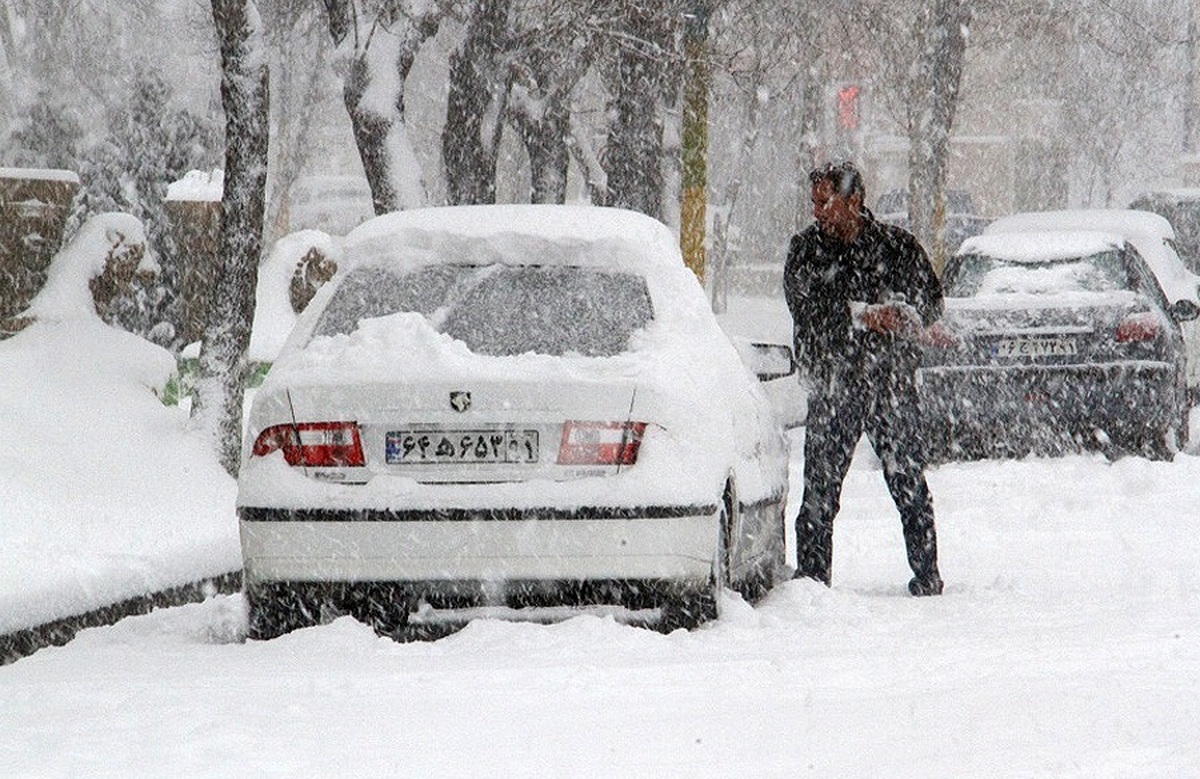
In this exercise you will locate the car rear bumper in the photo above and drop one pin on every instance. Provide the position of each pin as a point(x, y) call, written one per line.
point(1061, 397)
point(664, 543)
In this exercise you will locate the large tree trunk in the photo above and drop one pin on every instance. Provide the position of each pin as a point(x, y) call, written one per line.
point(934, 90)
point(558, 46)
point(297, 89)
point(479, 82)
point(545, 140)
point(587, 157)
point(379, 122)
point(635, 140)
point(244, 96)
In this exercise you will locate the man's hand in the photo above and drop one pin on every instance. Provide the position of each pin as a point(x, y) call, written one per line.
point(890, 318)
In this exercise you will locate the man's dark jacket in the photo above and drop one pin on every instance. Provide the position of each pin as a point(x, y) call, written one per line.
point(823, 275)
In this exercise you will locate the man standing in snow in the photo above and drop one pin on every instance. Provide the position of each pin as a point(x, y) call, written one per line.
point(860, 292)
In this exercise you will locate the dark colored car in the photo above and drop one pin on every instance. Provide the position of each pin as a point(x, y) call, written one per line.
point(1180, 207)
point(1051, 342)
point(962, 220)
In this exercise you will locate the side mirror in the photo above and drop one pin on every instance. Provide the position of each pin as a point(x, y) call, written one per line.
point(767, 361)
point(1184, 310)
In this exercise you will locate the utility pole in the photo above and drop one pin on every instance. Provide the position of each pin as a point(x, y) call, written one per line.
point(693, 210)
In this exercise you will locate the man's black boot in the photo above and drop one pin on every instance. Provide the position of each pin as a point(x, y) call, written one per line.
point(921, 586)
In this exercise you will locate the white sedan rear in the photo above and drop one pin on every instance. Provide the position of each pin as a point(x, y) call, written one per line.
point(518, 411)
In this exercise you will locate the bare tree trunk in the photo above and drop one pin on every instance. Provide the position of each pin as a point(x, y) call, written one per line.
point(588, 159)
point(693, 212)
point(810, 135)
point(635, 139)
point(545, 140)
point(244, 96)
point(934, 90)
point(297, 90)
point(724, 218)
point(550, 53)
point(381, 129)
point(480, 77)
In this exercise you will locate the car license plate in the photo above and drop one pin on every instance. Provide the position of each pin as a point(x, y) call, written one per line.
point(462, 446)
point(1036, 347)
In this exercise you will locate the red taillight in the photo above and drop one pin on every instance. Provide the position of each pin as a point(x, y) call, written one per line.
point(317, 444)
point(1137, 328)
point(600, 443)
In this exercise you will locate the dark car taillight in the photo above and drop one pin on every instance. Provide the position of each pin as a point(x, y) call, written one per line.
point(1138, 328)
point(600, 443)
point(316, 444)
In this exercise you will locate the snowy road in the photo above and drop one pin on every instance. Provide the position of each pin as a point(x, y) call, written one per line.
point(1067, 644)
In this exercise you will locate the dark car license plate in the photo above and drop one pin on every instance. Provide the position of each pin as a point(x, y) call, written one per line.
point(461, 446)
point(1036, 347)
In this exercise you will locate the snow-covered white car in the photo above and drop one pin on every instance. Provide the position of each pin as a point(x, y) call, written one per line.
point(515, 411)
point(1151, 235)
point(1053, 338)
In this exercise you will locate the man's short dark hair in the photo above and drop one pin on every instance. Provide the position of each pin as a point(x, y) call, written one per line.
point(844, 177)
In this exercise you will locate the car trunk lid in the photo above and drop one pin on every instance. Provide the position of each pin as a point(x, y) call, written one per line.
point(493, 431)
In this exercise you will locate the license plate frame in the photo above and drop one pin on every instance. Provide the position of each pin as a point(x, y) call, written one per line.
point(1036, 346)
point(439, 446)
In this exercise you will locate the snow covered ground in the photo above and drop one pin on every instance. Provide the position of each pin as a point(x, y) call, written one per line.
point(1067, 643)
point(104, 492)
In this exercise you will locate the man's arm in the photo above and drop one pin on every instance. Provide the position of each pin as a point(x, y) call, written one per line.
point(795, 288)
point(923, 288)
point(913, 290)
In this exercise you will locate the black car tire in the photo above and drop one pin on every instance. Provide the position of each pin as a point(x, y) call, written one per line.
point(1183, 436)
point(271, 616)
point(1158, 447)
point(1169, 441)
point(1153, 443)
point(695, 608)
point(939, 444)
point(771, 570)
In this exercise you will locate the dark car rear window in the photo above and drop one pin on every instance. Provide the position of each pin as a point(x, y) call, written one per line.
point(502, 309)
point(978, 274)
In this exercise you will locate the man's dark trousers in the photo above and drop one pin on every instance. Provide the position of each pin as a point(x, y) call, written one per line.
point(841, 407)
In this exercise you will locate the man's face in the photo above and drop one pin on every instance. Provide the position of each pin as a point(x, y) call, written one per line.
point(836, 214)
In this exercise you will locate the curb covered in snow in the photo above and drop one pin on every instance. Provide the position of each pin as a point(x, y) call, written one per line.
point(23, 643)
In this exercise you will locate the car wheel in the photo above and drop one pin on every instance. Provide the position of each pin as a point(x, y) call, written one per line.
point(1155, 443)
point(273, 612)
point(940, 443)
point(1168, 441)
point(772, 569)
point(1158, 448)
point(697, 607)
point(1183, 436)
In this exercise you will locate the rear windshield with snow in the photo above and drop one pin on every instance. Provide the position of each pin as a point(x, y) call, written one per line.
point(979, 274)
point(502, 310)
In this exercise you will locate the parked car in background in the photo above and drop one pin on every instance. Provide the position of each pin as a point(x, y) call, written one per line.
point(1153, 238)
point(1054, 340)
point(1180, 207)
point(962, 220)
point(515, 411)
